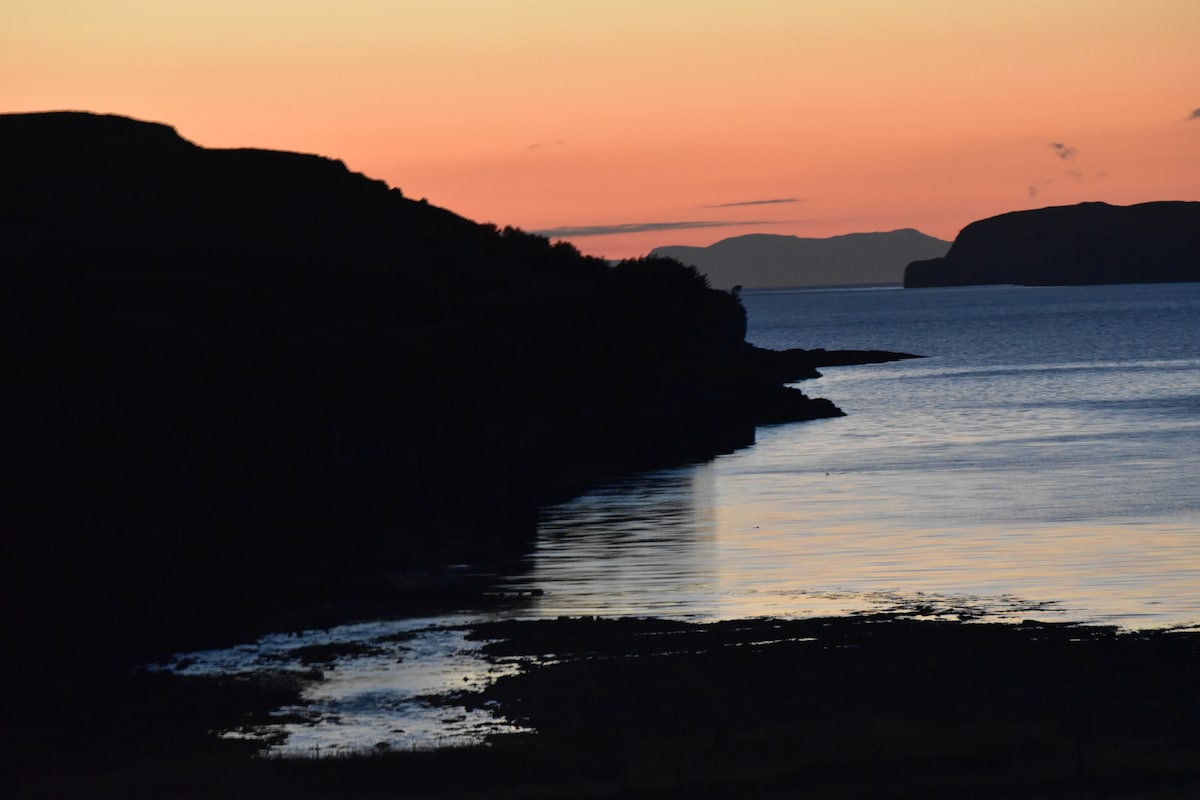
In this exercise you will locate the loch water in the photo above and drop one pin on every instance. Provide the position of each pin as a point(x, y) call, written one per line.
point(1041, 461)
point(1044, 455)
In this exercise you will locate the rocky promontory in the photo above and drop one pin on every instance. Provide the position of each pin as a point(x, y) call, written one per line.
point(1089, 243)
point(235, 377)
point(268, 337)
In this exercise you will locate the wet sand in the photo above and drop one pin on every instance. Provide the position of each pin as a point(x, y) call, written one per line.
point(873, 706)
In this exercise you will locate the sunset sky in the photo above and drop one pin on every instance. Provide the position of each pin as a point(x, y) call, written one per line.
point(626, 124)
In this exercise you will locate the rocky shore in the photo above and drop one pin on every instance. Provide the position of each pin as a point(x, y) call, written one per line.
point(883, 705)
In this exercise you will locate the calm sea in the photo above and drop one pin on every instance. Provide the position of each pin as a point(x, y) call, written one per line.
point(1045, 455)
point(1042, 461)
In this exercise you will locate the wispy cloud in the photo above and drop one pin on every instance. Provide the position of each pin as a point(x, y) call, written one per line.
point(545, 145)
point(1063, 151)
point(573, 231)
point(772, 202)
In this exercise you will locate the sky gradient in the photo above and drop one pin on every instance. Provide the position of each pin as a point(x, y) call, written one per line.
point(622, 125)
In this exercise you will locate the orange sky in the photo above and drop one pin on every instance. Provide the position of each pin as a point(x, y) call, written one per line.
point(676, 115)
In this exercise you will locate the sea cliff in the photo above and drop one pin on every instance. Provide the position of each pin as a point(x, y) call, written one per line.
point(1089, 243)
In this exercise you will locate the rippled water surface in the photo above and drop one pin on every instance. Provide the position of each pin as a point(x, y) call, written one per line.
point(1042, 461)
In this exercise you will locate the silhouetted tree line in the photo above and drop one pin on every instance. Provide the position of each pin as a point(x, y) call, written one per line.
point(233, 363)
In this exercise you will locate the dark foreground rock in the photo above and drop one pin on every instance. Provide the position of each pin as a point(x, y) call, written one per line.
point(1089, 243)
point(860, 707)
point(865, 707)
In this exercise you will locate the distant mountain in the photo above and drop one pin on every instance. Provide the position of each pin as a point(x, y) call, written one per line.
point(763, 259)
point(1071, 245)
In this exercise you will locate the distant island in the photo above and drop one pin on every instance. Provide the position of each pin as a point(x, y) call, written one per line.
point(769, 260)
point(1088, 243)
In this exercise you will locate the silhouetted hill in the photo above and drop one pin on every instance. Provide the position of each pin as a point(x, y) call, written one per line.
point(232, 374)
point(762, 259)
point(1070, 245)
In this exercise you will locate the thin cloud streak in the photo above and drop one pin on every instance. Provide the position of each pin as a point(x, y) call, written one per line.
point(771, 202)
point(575, 231)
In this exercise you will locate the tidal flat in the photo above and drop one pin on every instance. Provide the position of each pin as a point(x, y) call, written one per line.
point(875, 705)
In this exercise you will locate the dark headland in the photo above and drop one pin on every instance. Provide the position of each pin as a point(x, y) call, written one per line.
point(242, 387)
point(232, 367)
point(1089, 243)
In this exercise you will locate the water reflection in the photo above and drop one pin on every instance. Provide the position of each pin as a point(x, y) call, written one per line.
point(639, 546)
point(376, 680)
point(1081, 506)
point(743, 537)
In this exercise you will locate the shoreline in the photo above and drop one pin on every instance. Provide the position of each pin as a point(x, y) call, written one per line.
point(867, 706)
